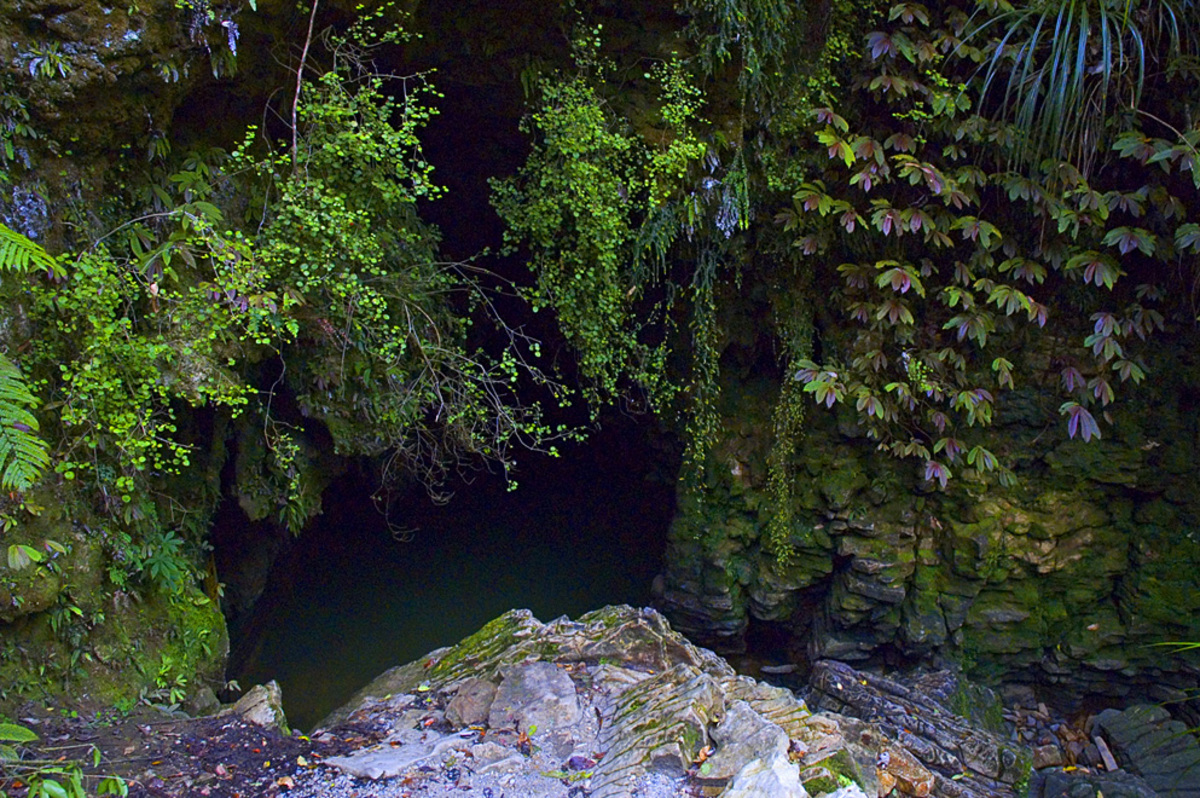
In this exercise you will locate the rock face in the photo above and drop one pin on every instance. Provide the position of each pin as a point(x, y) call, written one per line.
point(618, 700)
point(959, 758)
point(1078, 784)
point(1146, 741)
point(1057, 581)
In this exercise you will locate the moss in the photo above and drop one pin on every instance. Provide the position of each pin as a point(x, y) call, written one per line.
point(819, 780)
point(494, 637)
point(845, 768)
point(1022, 770)
point(101, 658)
point(979, 705)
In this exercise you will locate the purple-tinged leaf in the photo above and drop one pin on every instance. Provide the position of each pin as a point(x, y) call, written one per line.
point(1080, 421)
point(935, 470)
point(1072, 380)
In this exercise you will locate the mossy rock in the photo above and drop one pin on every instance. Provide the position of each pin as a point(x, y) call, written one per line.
point(27, 591)
point(119, 654)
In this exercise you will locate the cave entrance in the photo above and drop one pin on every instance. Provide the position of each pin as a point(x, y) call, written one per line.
point(359, 592)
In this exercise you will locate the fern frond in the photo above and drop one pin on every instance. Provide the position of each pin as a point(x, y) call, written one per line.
point(24, 456)
point(19, 254)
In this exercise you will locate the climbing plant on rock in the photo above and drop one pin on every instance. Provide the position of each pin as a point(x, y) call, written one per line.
point(953, 255)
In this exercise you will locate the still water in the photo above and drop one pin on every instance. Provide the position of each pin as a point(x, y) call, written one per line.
point(350, 601)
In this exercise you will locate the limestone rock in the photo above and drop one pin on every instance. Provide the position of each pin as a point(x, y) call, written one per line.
point(1047, 756)
point(1026, 579)
point(536, 696)
point(1148, 742)
point(472, 703)
point(261, 705)
point(652, 707)
point(851, 791)
point(26, 592)
point(202, 702)
point(1080, 783)
point(743, 736)
point(769, 776)
point(387, 760)
point(927, 748)
point(659, 724)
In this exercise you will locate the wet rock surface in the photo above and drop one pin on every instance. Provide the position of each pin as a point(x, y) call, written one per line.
point(1087, 784)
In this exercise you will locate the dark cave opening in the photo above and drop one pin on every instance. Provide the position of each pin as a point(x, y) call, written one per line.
point(360, 591)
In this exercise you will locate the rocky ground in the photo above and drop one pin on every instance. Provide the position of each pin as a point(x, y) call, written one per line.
point(616, 704)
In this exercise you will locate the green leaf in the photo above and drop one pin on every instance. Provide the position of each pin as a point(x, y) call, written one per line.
point(19, 254)
point(1097, 268)
point(21, 556)
point(113, 785)
point(11, 732)
point(1008, 298)
point(53, 789)
point(1187, 236)
point(981, 458)
point(1126, 239)
point(23, 455)
point(1079, 421)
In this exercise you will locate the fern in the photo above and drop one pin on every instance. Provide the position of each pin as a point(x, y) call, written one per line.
point(19, 254)
point(23, 455)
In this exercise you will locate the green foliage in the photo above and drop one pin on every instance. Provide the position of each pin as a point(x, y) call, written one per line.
point(762, 34)
point(49, 62)
point(796, 325)
point(599, 205)
point(51, 777)
point(15, 127)
point(1068, 65)
point(703, 426)
point(295, 290)
point(381, 353)
point(19, 254)
point(23, 455)
point(954, 259)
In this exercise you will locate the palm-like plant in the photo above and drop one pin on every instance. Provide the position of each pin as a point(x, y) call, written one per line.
point(1067, 66)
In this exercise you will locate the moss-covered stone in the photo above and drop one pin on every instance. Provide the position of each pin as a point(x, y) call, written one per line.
point(1062, 578)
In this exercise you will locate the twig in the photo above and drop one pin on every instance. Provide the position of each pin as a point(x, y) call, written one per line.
point(312, 16)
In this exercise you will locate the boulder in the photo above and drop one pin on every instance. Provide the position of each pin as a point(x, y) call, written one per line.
point(927, 748)
point(618, 682)
point(1148, 742)
point(537, 696)
point(261, 705)
point(471, 705)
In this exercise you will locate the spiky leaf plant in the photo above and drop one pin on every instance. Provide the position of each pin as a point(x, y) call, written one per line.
point(1066, 65)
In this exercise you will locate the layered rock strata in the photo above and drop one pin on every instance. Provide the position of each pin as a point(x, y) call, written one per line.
point(615, 699)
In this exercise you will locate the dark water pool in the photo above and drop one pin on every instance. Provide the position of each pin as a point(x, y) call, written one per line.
point(350, 600)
